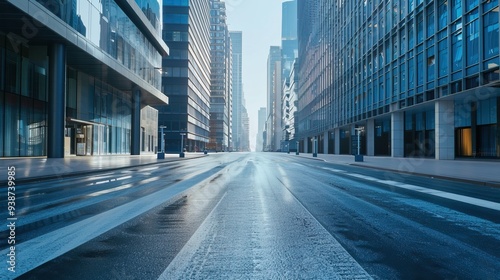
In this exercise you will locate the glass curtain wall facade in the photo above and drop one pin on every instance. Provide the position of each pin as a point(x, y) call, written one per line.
point(97, 80)
point(419, 77)
point(186, 76)
point(237, 86)
point(221, 80)
point(289, 51)
point(274, 128)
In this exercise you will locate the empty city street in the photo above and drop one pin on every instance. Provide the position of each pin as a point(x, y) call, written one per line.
point(254, 216)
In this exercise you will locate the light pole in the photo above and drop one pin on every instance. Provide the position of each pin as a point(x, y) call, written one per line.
point(162, 138)
point(161, 154)
point(359, 156)
point(315, 146)
point(297, 147)
point(182, 145)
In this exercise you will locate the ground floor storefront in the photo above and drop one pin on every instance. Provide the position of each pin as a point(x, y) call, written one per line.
point(50, 107)
point(466, 126)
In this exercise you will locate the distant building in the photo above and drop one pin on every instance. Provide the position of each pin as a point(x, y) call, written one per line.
point(245, 131)
point(221, 79)
point(262, 117)
point(237, 42)
point(274, 98)
point(78, 84)
point(186, 75)
point(416, 78)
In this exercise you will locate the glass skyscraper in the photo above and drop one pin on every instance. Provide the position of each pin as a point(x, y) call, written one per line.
point(274, 98)
point(289, 49)
point(76, 77)
point(186, 76)
point(221, 80)
point(418, 78)
point(237, 67)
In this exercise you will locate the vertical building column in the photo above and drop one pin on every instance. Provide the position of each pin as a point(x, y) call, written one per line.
point(397, 134)
point(370, 137)
point(56, 100)
point(325, 142)
point(445, 129)
point(337, 141)
point(307, 142)
point(498, 127)
point(353, 139)
point(135, 142)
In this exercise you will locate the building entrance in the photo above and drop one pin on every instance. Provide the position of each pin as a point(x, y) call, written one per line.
point(85, 138)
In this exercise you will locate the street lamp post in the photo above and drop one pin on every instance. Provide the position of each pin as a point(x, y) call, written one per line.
point(181, 154)
point(359, 156)
point(315, 146)
point(162, 138)
point(297, 147)
point(161, 154)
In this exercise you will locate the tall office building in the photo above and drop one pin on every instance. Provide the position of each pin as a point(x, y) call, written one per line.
point(76, 77)
point(221, 77)
point(186, 76)
point(417, 78)
point(245, 130)
point(237, 41)
point(290, 110)
point(261, 127)
point(289, 52)
point(274, 89)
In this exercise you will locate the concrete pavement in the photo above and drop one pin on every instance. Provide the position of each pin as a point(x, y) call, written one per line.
point(30, 169)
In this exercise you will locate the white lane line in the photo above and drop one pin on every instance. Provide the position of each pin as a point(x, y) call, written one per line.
point(41, 249)
point(456, 197)
point(259, 230)
point(111, 180)
point(148, 169)
point(110, 190)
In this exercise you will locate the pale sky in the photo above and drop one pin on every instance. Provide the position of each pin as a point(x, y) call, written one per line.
point(260, 23)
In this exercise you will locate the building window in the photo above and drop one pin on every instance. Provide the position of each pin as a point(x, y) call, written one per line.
point(473, 43)
point(175, 18)
point(431, 61)
point(430, 21)
point(411, 73)
point(420, 28)
point(402, 69)
point(456, 51)
point(490, 38)
point(411, 34)
point(420, 69)
point(456, 9)
point(443, 14)
point(443, 58)
point(471, 4)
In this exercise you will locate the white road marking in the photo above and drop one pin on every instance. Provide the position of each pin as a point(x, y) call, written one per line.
point(111, 190)
point(456, 197)
point(41, 249)
point(259, 230)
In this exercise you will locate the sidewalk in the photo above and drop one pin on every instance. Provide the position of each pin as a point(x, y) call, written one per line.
point(30, 169)
point(477, 171)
